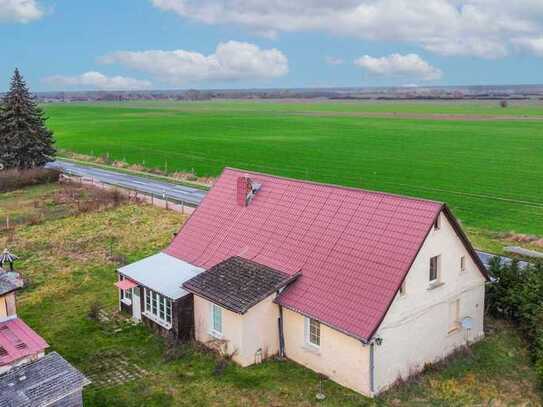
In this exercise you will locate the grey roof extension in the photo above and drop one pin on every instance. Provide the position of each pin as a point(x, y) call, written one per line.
point(40, 383)
point(237, 284)
point(162, 273)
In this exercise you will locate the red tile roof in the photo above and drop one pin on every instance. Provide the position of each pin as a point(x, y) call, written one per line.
point(353, 247)
point(17, 341)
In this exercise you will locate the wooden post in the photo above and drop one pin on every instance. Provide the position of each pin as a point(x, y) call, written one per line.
point(182, 207)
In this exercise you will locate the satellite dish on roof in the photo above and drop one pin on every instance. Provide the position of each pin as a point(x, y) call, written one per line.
point(467, 323)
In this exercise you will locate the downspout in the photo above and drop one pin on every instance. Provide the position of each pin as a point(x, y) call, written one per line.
point(281, 333)
point(372, 368)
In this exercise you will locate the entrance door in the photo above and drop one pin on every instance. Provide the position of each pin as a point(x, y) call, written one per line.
point(136, 304)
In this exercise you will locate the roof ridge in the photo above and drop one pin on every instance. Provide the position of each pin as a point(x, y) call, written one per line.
point(338, 186)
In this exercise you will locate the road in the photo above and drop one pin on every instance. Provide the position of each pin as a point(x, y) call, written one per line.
point(180, 193)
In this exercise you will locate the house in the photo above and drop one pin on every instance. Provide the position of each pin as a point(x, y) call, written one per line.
point(29, 377)
point(364, 287)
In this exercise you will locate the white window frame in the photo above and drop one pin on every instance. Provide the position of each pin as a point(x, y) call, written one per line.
point(214, 330)
point(437, 280)
point(158, 308)
point(126, 295)
point(307, 333)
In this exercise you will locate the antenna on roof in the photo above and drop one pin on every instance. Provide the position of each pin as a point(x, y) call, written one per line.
point(7, 257)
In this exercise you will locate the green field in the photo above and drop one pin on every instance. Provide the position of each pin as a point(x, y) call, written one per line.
point(485, 161)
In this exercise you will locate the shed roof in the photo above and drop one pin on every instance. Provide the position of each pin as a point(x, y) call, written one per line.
point(353, 247)
point(238, 284)
point(17, 341)
point(162, 273)
point(40, 383)
point(9, 281)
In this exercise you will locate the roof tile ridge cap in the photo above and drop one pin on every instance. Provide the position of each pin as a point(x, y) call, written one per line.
point(338, 186)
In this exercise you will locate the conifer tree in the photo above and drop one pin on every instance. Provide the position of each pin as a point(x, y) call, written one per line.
point(25, 141)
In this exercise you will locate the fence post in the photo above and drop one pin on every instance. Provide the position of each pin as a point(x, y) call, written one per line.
point(182, 207)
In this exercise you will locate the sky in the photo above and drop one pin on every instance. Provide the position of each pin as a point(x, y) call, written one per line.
point(203, 44)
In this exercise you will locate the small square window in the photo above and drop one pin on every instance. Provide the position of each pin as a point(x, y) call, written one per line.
point(434, 269)
point(463, 263)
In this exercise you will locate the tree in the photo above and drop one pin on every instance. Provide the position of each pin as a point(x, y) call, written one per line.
point(25, 141)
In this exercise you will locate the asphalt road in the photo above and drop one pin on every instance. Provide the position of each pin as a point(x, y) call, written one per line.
point(180, 193)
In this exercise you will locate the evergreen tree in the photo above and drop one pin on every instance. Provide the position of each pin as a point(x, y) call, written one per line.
point(25, 141)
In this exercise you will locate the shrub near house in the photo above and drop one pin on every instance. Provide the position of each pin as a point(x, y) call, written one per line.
point(350, 283)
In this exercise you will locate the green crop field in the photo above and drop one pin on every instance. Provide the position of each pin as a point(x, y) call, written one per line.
point(485, 161)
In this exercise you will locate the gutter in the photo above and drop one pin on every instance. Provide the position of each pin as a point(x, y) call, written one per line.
point(281, 333)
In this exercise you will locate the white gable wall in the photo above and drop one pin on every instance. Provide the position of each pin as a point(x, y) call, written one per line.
point(415, 330)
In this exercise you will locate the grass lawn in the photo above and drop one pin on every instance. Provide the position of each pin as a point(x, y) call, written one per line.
point(489, 171)
point(66, 262)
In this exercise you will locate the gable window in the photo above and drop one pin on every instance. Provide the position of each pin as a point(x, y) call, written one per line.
point(126, 295)
point(312, 332)
point(402, 288)
point(216, 320)
point(434, 269)
point(437, 223)
point(463, 263)
point(158, 308)
point(454, 316)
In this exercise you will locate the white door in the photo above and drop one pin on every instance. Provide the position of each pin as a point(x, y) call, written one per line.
point(136, 304)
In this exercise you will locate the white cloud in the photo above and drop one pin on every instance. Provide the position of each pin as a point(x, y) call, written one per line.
point(482, 28)
point(397, 65)
point(96, 80)
point(333, 60)
point(232, 61)
point(531, 45)
point(20, 11)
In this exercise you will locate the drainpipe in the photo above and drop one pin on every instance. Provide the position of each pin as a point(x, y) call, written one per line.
point(281, 333)
point(372, 368)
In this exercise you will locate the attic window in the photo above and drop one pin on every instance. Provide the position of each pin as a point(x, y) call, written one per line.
point(246, 190)
point(437, 223)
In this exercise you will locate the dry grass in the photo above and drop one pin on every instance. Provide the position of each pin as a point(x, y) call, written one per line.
point(15, 179)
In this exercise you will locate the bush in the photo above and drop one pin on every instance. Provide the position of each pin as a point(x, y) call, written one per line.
point(517, 295)
point(15, 179)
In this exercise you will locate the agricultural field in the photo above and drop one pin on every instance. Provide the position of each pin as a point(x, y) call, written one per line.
point(485, 161)
point(69, 254)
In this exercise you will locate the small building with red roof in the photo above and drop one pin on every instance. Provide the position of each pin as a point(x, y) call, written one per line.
point(364, 287)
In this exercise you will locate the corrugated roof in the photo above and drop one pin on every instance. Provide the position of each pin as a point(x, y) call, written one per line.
point(40, 383)
point(162, 273)
point(353, 247)
point(17, 341)
point(238, 284)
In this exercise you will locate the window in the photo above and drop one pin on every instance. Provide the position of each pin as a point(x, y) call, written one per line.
point(158, 308)
point(463, 263)
point(402, 288)
point(437, 223)
point(126, 295)
point(454, 316)
point(434, 269)
point(216, 320)
point(312, 332)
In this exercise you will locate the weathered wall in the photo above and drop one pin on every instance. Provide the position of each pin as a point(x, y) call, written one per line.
point(415, 330)
point(342, 358)
point(8, 307)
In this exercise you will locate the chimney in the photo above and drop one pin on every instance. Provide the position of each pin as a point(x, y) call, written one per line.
point(246, 190)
